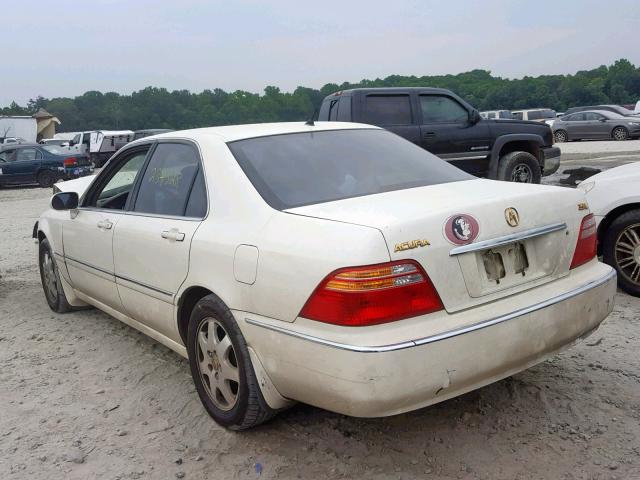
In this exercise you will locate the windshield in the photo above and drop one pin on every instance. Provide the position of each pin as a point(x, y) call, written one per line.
point(306, 168)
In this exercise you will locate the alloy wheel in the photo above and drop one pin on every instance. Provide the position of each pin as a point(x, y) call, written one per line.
point(218, 364)
point(561, 137)
point(627, 251)
point(522, 174)
point(620, 134)
point(49, 277)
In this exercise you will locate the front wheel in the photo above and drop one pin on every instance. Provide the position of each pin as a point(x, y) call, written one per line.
point(620, 133)
point(520, 167)
point(221, 367)
point(560, 136)
point(621, 250)
point(50, 278)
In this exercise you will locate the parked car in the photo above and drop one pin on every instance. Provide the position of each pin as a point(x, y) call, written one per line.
point(625, 112)
point(614, 198)
point(597, 124)
point(534, 114)
point(494, 114)
point(30, 163)
point(447, 126)
point(334, 264)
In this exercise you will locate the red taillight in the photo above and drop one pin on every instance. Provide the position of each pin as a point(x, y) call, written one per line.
point(586, 245)
point(359, 296)
point(69, 162)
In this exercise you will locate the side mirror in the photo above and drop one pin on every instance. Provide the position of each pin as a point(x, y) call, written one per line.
point(65, 201)
point(474, 116)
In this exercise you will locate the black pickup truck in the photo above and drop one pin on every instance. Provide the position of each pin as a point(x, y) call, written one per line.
point(447, 126)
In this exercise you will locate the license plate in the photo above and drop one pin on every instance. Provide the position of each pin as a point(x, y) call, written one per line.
point(504, 261)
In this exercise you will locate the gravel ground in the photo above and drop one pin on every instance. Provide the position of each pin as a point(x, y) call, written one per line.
point(84, 396)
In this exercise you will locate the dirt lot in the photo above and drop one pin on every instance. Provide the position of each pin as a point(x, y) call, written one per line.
point(84, 396)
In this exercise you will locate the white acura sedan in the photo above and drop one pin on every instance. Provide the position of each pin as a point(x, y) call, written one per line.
point(334, 264)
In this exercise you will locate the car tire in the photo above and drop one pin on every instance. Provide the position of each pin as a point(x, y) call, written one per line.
point(521, 167)
point(560, 136)
point(46, 178)
point(223, 374)
point(624, 229)
point(620, 134)
point(50, 278)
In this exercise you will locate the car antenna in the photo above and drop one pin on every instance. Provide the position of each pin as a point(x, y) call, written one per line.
point(310, 120)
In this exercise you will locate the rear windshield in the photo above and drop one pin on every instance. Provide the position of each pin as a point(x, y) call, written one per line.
point(315, 167)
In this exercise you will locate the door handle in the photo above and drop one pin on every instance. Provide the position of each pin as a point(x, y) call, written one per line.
point(173, 235)
point(105, 224)
point(428, 135)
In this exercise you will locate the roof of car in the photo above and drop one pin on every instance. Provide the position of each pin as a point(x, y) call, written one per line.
point(392, 90)
point(232, 133)
point(7, 146)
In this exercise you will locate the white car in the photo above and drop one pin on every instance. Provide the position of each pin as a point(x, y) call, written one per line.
point(614, 198)
point(334, 264)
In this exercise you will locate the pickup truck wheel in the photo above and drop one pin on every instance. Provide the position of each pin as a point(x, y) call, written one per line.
point(46, 178)
point(621, 250)
point(520, 167)
point(221, 367)
point(561, 136)
point(50, 278)
point(620, 133)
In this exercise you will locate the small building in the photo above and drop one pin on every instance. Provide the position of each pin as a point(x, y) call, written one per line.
point(46, 124)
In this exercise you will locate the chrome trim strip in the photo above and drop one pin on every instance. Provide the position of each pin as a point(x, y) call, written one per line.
point(441, 336)
point(67, 257)
point(155, 289)
point(507, 239)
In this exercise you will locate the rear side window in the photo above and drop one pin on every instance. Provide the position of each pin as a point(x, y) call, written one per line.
point(197, 204)
point(168, 180)
point(387, 109)
point(344, 112)
point(27, 154)
point(440, 109)
point(576, 117)
point(314, 167)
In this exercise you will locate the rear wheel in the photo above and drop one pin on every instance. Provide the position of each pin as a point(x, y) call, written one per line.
point(621, 250)
point(46, 178)
point(561, 136)
point(50, 278)
point(221, 367)
point(620, 133)
point(520, 167)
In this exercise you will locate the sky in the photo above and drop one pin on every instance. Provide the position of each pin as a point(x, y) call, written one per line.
point(64, 47)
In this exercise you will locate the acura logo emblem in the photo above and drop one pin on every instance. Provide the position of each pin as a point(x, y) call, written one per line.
point(512, 217)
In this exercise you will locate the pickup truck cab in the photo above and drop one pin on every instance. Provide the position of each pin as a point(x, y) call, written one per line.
point(444, 124)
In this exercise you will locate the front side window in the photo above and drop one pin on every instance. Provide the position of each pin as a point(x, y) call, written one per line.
point(441, 109)
point(315, 167)
point(387, 109)
point(8, 156)
point(115, 193)
point(576, 117)
point(168, 180)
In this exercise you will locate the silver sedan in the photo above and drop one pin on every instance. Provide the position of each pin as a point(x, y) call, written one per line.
point(595, 124)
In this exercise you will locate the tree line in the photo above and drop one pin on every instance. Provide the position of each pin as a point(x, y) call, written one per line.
point(154, 107)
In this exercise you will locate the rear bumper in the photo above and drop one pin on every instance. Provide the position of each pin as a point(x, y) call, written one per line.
point(551, 160)
point(75, 172)
point(380, 379)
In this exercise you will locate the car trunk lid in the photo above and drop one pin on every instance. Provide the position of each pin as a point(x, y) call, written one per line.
point(501, 260)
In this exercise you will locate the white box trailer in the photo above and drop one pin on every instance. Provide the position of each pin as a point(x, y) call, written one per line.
point(104, 143)
point(100, 145)
point(25, 128)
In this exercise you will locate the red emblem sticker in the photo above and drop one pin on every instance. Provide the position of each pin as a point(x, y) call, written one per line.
point(461, 229)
